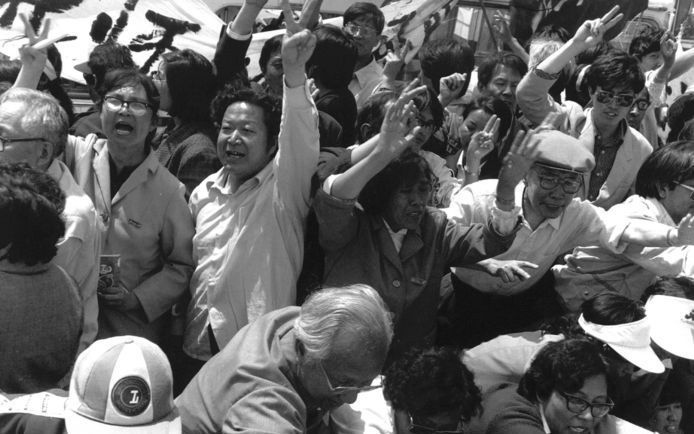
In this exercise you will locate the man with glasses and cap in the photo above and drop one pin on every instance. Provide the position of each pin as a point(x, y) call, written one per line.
point(554, 221)
point(281, 373)
point(664, 194)
point(614, 80)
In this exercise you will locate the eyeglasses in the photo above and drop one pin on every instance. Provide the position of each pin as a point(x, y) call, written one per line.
point(578, 405)
point(4, 141)
point(339, 390)
point(605, 97)
point(687, 187)
point(137, 108)
point(642, 104)
point(356, 30)
point(157, 75)
point(416, 428)
point(568, 185)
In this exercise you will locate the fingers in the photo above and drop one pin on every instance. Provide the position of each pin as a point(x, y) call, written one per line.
point(292, 26)
point(613, 21)
point(610, 14)
point(517, 141)
point(495, 128)
point(490, 124)
point(28, 29)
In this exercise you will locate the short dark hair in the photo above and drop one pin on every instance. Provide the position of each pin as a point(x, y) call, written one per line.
point(443, 57)
point(665, 167)
point(681, 286)
point(191, 82)
point(270, 46)
point(31, 204)
point(487, 68)
point(271, 106)
point(365, 9)
point(552, 32)
point(608, 308)
point(130, 77)
point(680, 112)
point(615, 70)
point(404, 170)
point(374, 111)
point(648, 41)
point(562, 366)
point(333, 60)
point(431, 381)
point(106, 57)
point(493, 106)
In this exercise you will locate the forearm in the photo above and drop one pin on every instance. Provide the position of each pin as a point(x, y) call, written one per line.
point(518, 50)
point(245, 20)
point(556, 62)
point(29, 76)
point(683, 63)
point(363, 150)
point(649, 234)
point(349, 184)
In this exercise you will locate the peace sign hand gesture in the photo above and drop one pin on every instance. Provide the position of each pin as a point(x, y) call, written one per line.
point(591, 32)
point(297, 46)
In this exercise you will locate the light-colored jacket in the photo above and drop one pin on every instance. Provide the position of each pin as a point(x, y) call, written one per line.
point(535, 101)
point(148, 224)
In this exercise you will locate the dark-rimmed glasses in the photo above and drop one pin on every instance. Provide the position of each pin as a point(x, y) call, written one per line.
point(356, 29)
point(339, 390)
point(137, 108)
point(578, 405)
point(687, 187)
point(605, 97)
point(642, 104)
point(568, 185)
point(416, 428)
point(5, 141)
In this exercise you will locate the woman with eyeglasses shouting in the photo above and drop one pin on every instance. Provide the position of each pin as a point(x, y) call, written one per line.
point(147, 229)
point(564, 391)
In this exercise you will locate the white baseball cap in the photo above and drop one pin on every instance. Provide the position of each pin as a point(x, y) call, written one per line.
point(122, 385)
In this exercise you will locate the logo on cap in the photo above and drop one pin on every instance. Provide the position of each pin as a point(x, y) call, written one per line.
point(131, 396)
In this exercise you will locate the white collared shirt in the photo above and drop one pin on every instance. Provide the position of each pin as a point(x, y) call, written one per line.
point(365, 81)
point(248, 244)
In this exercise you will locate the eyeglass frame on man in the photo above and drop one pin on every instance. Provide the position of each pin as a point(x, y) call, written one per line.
point(606, 97)
point(556, 179)
point(687, 187)
point(5, 140)
point(354, 29)
point(128, 104)
point(585, 404)
point(340, 390)
point(430, 430)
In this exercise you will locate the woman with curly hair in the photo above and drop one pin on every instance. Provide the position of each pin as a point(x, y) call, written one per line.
point(564, 391)
point(41, 312)
point(426, 391)
point(431, 391)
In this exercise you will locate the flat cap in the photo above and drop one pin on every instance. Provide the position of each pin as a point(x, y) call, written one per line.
point(562, 151)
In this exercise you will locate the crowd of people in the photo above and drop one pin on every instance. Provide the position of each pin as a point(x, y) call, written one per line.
point(337, 246)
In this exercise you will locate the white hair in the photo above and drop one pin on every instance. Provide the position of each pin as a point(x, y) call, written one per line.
point(331, 310)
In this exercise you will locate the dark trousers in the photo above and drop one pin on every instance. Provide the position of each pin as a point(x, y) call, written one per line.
point(468, 317)
point(185, 367)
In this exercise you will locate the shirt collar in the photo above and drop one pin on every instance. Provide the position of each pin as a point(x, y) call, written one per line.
point(545, 426)
point(554, 222)
point(221, 184)
point(363, 75)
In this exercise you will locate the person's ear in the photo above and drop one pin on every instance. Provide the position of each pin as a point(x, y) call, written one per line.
point(365, 130)
point(45, 155)
point(663, 191)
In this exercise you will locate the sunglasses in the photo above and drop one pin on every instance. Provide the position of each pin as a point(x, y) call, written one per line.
point(605, 97)
point(578, 405)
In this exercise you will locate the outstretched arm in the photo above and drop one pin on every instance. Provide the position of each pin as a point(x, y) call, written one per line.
point(395, 137)
point(33, 60)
